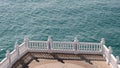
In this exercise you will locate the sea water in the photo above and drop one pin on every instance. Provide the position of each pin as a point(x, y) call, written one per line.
point(89, 20)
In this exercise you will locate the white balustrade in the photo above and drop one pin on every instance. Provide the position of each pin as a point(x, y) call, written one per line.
point(60, 47)
point(106, 53)
point(113, 61)
point(89, 47)
point(14, 55)
point(38, 45)
point(64, 46)
point(110, 58)
point(4, 63)
point(84, 47)
point(22, 49)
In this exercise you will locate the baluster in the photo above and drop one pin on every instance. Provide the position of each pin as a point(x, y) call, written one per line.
point(109, 54)
point(75, 44)
point(8, 55)
point(40, 44)
point(102, 43)
point(117, 62)
point(31, 45)
point(80, 47)
point(49, 42)
point(84, 47)
point(17, 48)
point(62, 46)
point(59, 46)
point(98, 47)
point(26, 40)
point(55, 44)
point(94, 47)
point(89, 47)
point(36, 45)
point(43, 46)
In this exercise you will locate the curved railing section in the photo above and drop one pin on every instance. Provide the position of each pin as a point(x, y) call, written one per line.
point(12, 57)
point(60, 47)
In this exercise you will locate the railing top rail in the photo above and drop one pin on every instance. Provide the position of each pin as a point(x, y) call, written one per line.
point(113, 57)
point(38, 41)
point(3, 60)
point(12, 51)
point(66, 42)
point(21, 44)
point(105, 48)
point(101, 45)
point(88, 43)
point(63, 42)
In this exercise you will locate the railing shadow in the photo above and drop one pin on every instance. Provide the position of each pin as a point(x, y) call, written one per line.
point(58, 58)
point(84, 58)
point(25, 65)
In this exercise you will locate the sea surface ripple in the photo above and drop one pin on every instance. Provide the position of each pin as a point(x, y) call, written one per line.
point(89, 20)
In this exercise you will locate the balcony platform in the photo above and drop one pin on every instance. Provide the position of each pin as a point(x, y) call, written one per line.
point(55, 60)
point(57, 54)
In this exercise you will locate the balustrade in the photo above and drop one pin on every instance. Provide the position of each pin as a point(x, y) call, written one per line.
point(51, 46)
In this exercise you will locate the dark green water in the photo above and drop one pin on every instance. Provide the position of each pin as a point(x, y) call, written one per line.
point(90, 20)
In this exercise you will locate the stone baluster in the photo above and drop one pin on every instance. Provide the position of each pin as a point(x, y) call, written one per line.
point(26, 41)
point(49, 42)
point(117, 62)
point(8, 55)
point(110, 52)
point(17, 48)
point(102, 43)
point(75, 45)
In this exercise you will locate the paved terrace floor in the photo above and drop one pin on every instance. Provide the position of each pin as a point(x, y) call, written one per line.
point(46, 60)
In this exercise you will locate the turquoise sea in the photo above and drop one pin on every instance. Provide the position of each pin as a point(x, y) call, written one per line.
point(89, 20)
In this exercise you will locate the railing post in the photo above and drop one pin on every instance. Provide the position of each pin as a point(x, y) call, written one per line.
point(117, 62)
point(8, 55)
point(17, 48)
point(75, 45)
point(26, 41)
point(109, 54)
point(49, 42)
point(102, 43)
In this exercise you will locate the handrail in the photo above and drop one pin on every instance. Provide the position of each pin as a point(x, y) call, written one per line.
point(60, 47)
